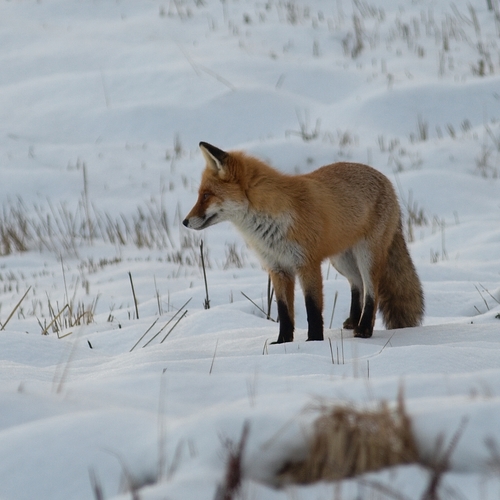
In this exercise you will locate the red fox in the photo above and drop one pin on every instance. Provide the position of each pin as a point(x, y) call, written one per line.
point(346, 212)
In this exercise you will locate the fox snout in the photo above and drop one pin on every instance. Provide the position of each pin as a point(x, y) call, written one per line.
point(200, 222)
point(193, 222)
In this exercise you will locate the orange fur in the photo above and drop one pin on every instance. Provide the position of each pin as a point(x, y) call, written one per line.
point(347, 212)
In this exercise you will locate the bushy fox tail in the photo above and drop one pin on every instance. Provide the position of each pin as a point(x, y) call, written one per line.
point(401, 299)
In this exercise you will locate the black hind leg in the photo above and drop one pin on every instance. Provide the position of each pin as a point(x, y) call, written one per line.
point(347, 266)
point(364, 329)
point(362, 316)
point(355, 313)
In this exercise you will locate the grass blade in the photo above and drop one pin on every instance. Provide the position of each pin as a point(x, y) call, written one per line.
point(54, 320)
point(257, 306)
point(15, 309)
point(135, 298)
point(206, 304)
point(171, 329)
point(144, 334)
point(213, 358)
point(168, 322)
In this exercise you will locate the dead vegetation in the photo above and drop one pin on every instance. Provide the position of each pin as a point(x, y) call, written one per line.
point(63, 230)
point(231, 484)
point(347, 442)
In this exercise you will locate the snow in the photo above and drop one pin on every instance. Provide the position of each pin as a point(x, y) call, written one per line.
point(102, 106)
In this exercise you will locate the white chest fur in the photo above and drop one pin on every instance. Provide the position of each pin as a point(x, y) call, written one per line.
point(268, 237)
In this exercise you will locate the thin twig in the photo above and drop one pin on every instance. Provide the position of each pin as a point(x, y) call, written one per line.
point(492, 296)
point(176, 460)
point(66, 288)
point(333, 310)
point(213, 358)
point(127, 476)
point(342, 342)
point(144, 334)
point(257, 306)
point(270, 293)
point(385, 345)
point(197, 67)
point(168, 322)
point(442, 464)
point(158, 299)
point(234, 474)
point(171, 329)
point(54, 320)
point(15, 308)
point(484, 300)
point(135, 298)
point(264, 349)
point(96, 485)
point(206, 304)
point(331, 350)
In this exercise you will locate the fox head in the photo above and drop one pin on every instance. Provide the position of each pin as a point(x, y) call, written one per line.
point(221, 195)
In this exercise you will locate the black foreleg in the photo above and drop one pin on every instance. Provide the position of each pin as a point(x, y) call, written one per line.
point(314, 320)
point(286, 324)
point(355, 312)
point(312, 285)
point(284, 288)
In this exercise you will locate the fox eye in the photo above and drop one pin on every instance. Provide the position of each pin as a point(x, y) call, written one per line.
point(205, 196)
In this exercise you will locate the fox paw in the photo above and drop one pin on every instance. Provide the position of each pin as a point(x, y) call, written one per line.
point(348, 324)
point(363, 333)
point(281, 341)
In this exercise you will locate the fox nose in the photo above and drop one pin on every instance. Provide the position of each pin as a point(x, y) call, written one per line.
point(185, 222)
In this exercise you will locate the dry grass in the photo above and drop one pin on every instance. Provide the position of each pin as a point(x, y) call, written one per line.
point(229, 488)
point(61, 229)
point(347, 442)
point(70, 315)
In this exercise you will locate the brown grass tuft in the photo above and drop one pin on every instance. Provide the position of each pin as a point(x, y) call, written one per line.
point(347, 442)
point(230, 487)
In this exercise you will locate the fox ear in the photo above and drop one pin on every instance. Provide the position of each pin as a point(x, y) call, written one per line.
point(215, 158)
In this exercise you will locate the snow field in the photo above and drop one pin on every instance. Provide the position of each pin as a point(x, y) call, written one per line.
point(102, 108)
